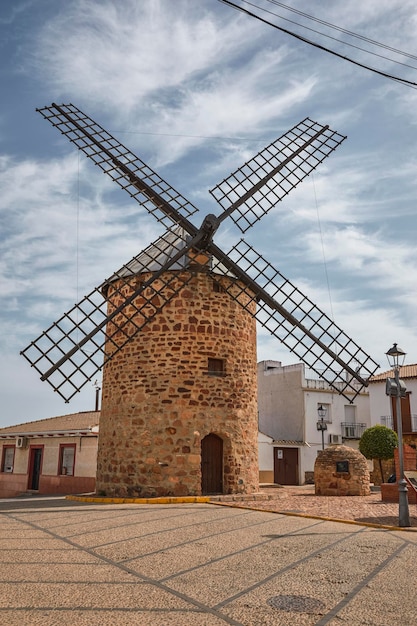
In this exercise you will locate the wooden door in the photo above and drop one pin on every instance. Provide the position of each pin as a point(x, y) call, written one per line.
point(286, 466)
point(35, 465)
point(405, 413)
point(211, 464)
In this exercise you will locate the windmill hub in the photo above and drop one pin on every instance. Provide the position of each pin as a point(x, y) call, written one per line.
point(207, 231)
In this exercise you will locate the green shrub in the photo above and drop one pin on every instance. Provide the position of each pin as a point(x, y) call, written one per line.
point(378, 442)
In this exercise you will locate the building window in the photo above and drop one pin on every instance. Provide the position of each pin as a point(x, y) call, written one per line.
point(8, 459)
point(350, 413)
point(67, 459)
point(349, 426)
point(218, 287)
point(216, 367)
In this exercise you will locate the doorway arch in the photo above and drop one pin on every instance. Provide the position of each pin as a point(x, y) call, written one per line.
point(211, 464)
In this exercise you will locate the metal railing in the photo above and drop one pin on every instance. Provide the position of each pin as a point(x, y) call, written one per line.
point(387, 420)
point(352, 430)
point(320, 384)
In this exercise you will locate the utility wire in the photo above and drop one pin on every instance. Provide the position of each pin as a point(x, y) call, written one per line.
point(403, 81)
point(338, 28)
point(322, 247)
point(345, 43)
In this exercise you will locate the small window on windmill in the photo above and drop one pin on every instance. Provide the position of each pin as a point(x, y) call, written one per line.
point(216, 367)
point(218, 287)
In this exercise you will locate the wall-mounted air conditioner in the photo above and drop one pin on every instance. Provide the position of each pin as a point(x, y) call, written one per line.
point(335, 439)
point(21, 442)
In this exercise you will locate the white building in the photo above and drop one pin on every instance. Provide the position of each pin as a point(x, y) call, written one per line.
point(288, 404)
point(383, 407)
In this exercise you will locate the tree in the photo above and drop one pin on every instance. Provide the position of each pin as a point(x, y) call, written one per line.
point(378, 442)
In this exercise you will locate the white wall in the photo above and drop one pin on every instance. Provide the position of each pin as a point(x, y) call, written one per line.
point(280, 400)
point(288, 403)
point(265, 453)
point(380, 404)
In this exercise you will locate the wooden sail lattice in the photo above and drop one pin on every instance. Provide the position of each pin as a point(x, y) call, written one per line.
point(263, 181)
point(293, 318)
point(71, 351)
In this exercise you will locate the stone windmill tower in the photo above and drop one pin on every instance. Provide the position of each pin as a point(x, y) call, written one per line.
point(174, 329)
point(179, 412)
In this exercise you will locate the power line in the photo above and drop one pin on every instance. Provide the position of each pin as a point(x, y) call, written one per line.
point(182, 135)
point(403, 81)
point(346, 32)
point(338, 28)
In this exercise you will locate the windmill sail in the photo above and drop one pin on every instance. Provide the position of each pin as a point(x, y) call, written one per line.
point(125, 168)
point(290, 316)
point(258, 185)
point(71, 351)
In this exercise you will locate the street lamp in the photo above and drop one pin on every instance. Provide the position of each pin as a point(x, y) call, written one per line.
point(396, 388)
point(97, 388)
point(321, 424)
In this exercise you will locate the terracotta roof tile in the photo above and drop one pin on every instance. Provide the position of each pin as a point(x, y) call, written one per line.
point(407, 371)
point(73, 421)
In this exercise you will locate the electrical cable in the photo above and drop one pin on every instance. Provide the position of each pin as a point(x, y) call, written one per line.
point(340, 29)
point(345, 43)
point(403, 81)
point(322, 247)
point(77, 234)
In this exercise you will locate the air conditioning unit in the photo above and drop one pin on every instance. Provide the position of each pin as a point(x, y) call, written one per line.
point(21, 442)
point(335, 439)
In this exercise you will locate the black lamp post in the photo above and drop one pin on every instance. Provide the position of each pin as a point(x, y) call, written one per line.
point(321, 424)
point(97, 388)
point(396, 388)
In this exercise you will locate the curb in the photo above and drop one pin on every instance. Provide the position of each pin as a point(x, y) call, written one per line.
point(324, 519)
point(208, 500)
point(157, 500)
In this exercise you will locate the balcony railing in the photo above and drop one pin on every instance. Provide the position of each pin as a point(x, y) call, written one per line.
point(387, 420)
point(352, 430)
point(320, 384)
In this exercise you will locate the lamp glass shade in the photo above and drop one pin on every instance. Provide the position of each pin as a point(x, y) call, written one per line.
point(395, 356)
point(321, 410)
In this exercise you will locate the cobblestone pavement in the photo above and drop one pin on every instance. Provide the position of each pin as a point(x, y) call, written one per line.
point(302, 500)
point(67, 563)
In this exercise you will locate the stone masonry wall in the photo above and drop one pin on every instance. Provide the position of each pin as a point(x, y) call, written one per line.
point(331, 482)
point(159, 401)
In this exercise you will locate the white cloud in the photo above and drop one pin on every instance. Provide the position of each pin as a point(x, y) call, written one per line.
point(134, 49)
point(156, 72)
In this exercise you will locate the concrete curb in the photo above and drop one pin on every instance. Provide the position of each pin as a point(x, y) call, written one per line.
point(325, 519)
point(157, 500)
point(208, 500)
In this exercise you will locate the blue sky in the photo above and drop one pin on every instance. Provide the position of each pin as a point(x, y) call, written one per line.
point(195, 88)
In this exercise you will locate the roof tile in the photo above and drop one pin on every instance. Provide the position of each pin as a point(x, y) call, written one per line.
point(73, 421)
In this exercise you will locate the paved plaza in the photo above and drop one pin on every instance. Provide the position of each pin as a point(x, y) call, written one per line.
point(75, 563)
point(303, 501)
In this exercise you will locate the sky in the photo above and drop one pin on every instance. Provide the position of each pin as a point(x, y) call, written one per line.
point(195, 88)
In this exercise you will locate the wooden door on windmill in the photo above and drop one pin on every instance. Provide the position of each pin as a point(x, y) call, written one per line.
point(211, 464)
point(405, 413)
point(286, 466)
